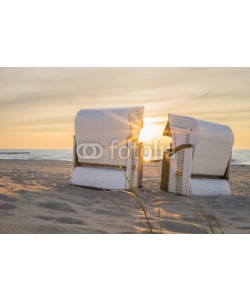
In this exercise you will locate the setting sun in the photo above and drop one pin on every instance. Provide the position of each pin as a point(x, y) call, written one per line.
point(151, 132)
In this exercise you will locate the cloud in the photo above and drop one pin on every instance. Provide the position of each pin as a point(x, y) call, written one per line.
point(42, 99)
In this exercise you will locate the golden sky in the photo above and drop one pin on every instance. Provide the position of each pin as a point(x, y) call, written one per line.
point(38, 105)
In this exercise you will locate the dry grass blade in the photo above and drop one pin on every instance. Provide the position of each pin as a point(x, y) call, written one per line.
point(11, 191)
point(25, 197)
point(201, 216)
point(159, 215)
point(206, 217)
point(219, 225)
point(137, 196)
point(126, 210)
point(196, 214)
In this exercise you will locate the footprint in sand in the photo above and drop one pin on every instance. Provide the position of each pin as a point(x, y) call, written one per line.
point(46, 218)
point(7, 206)
point(57, 206)
point(7, 198)
point(66, 220)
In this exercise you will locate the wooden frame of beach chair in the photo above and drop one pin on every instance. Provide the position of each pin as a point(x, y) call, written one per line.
point(200, 162)
point(102, 127)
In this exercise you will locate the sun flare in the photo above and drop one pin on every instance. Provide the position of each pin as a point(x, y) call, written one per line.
point(150, 132)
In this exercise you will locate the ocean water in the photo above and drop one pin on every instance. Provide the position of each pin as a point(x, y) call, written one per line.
point(38, 154)
point(239, 157)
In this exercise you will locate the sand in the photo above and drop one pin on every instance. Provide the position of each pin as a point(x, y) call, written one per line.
point(36, 197)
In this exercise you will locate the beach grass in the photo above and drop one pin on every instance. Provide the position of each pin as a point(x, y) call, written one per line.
point(208, 223)
point(137, 196)
point(23, 193)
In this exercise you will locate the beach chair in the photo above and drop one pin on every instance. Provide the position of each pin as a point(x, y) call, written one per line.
point(199, 163)
point(106, 146)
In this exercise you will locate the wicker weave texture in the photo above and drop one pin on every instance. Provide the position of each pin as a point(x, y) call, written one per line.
point(209, 187)
point(99, 178)
point(212, 146)
point(212, 143)
point(180, 172)
point(104, 126)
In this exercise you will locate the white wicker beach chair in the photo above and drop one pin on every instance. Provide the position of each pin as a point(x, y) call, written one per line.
point(199, 163)
point(106, 145)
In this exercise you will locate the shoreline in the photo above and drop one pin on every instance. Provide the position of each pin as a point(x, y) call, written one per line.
point(71, 161)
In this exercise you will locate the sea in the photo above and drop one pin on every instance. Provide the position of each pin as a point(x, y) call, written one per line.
point(239, 157)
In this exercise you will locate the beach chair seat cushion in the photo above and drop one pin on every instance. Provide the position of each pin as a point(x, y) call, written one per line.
point(209, 187)
point(100, 178)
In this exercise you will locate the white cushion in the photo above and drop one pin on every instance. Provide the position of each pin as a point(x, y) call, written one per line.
point(111, 179)
point(209, 187)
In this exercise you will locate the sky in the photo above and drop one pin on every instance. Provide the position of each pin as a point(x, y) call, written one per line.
point(38, 105)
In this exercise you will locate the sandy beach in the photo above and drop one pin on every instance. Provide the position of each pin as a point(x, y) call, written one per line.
point(36, 197)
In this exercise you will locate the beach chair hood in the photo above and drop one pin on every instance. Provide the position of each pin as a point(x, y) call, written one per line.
point(107, 126)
